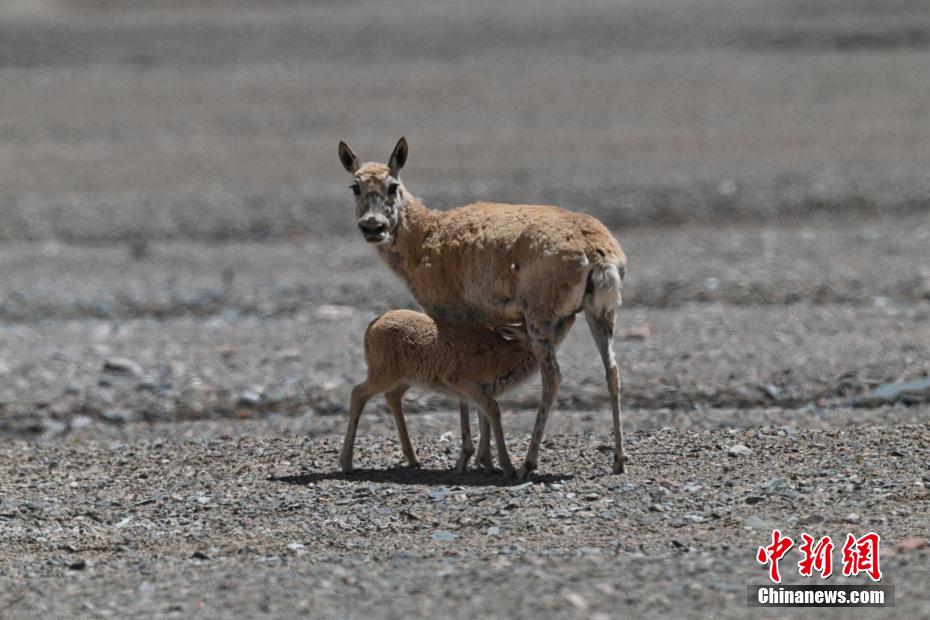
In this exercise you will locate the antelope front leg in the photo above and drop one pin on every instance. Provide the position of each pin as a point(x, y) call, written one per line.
point(461, 465)
point(543, 347)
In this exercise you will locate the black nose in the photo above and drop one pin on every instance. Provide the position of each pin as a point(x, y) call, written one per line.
point(372, 227)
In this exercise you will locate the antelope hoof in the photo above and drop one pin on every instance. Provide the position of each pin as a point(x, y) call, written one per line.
point(524, 472)
point(346, 465)
point(487, 463)
point(508, 472)
point(461, 465)
point(620, 463)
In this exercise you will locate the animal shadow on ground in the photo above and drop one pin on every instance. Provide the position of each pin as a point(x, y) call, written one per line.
point(419, 476)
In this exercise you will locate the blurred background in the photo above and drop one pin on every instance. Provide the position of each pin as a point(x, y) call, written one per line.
point(183, 295)
point(217, 119)
point(171, 193)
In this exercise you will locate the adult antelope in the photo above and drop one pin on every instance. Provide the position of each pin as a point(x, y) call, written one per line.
point(498, 264)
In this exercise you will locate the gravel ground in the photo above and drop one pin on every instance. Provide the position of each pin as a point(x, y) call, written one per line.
point(738, 317)
point(182, 303)
point(168, 526)
point(60, 375)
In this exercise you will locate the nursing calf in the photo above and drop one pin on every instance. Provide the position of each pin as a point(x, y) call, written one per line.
point(461, 358)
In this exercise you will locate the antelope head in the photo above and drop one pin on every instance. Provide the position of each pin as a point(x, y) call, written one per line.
point(379, 194)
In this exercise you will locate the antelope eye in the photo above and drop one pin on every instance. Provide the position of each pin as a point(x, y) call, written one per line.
point(392, 189)
point(356, 189)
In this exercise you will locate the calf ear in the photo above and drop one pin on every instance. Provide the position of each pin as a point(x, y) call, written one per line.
point(348, 158)
point(398, 157)
point(512, 332)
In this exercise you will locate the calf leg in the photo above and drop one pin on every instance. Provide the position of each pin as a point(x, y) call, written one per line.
point(484, 441)
point(602, 328)
point(361, 394)
point(491, 410)
point(543, 346)
point(394, 400)
point(461, 465)
point(484, 445)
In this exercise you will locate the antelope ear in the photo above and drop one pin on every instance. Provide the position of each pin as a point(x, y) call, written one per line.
point(398, 157)
point(348, 158)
